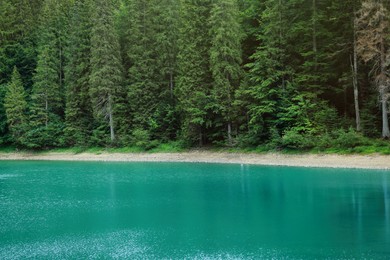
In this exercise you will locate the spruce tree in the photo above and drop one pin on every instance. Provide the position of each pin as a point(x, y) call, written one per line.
point(225, 59)
point(18, 24)
point(194, 79)
point(149, 32)
point(165, 120)
point(78, 111)
point(106, 68)
point(142, 69)
point(47, 96)
point(16, 107)
point(269, 75)
point(373, 46)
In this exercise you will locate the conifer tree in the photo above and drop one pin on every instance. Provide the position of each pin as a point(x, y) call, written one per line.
point(269, 75)
point(18, 23)
point(106, 70)
point(47, 95)
point(78, 112)
point(372, 46)
point(225, 59)
point(312, 70)
point(194, 77)
point(16, 107)
point(149, 31)
point(140, 55)
point(165, 120)
point(166, 26)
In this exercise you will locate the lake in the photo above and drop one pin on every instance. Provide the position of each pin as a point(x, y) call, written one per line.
point(191, 211)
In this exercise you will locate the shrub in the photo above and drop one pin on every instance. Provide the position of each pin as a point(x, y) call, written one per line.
point(275, 141)
point(293, 139)
point(141, 138)
point(348, 139)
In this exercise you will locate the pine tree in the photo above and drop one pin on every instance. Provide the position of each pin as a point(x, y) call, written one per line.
point(309, 40)
point(269, 77)
point(373, 46)
point(18, 23)
point(165, 120)
point(16, 107)
point(225, 59)
point(47, 97)
point(78, 112)
point(140, 56)
point(106, 71)
point(166, 25)
point(149, 31)
point(194, 77)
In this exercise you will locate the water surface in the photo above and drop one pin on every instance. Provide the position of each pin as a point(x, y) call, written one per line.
point(191, 211)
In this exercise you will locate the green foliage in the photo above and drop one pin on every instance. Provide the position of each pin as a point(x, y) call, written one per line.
point(162, 75)
point(294, 139)
point(3, 117)
point(99, 136)
point(225, 58)
point(348, 139)
point(47, 95)
point(341, 139)
point(141, 138)
point(16, 107)
point(194, 77)
point(148, 35)
point(44, 136)
point(106, 76)
point(78, 109)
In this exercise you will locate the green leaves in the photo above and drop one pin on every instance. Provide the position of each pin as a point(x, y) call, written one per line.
point(16, 107)
point(206, 71)
point(194, 77)
point(106, 77)
point(78, 112)
point(225, 57)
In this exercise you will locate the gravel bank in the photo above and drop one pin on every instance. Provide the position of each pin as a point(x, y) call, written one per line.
point(302, 160)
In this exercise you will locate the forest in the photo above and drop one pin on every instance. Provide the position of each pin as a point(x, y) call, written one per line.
point(274, 74)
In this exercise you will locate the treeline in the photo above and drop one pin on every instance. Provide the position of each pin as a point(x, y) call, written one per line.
point(286, 73)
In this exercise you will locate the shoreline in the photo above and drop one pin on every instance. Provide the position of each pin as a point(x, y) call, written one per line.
point(380, 162)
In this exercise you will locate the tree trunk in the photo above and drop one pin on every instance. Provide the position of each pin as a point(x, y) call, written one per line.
point(200, 137)
point(46, 111)
point(385, 121)
point(230, 133)
point(354, 67)
point(111, 118)
point(383, 92)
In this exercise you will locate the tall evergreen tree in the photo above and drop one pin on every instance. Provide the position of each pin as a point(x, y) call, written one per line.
point(194, 77)
point(149, 31)
point(18, 23)
point(269, 76)
point(16, 107)
point(106, 68)
point(142, 69)
point(373, 45)
point(225, 59)
point(78, 112)
point(165, 121)
point(47, 95)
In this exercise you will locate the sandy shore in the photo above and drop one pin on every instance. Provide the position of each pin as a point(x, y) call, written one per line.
point(306, 160)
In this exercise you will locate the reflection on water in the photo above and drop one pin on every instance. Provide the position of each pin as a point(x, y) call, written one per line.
point(386, 201)
point(197, 211)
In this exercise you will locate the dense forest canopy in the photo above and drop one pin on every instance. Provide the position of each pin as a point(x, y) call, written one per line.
point(285, 73)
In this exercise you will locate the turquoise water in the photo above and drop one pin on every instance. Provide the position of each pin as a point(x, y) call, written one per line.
point(191, 211)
